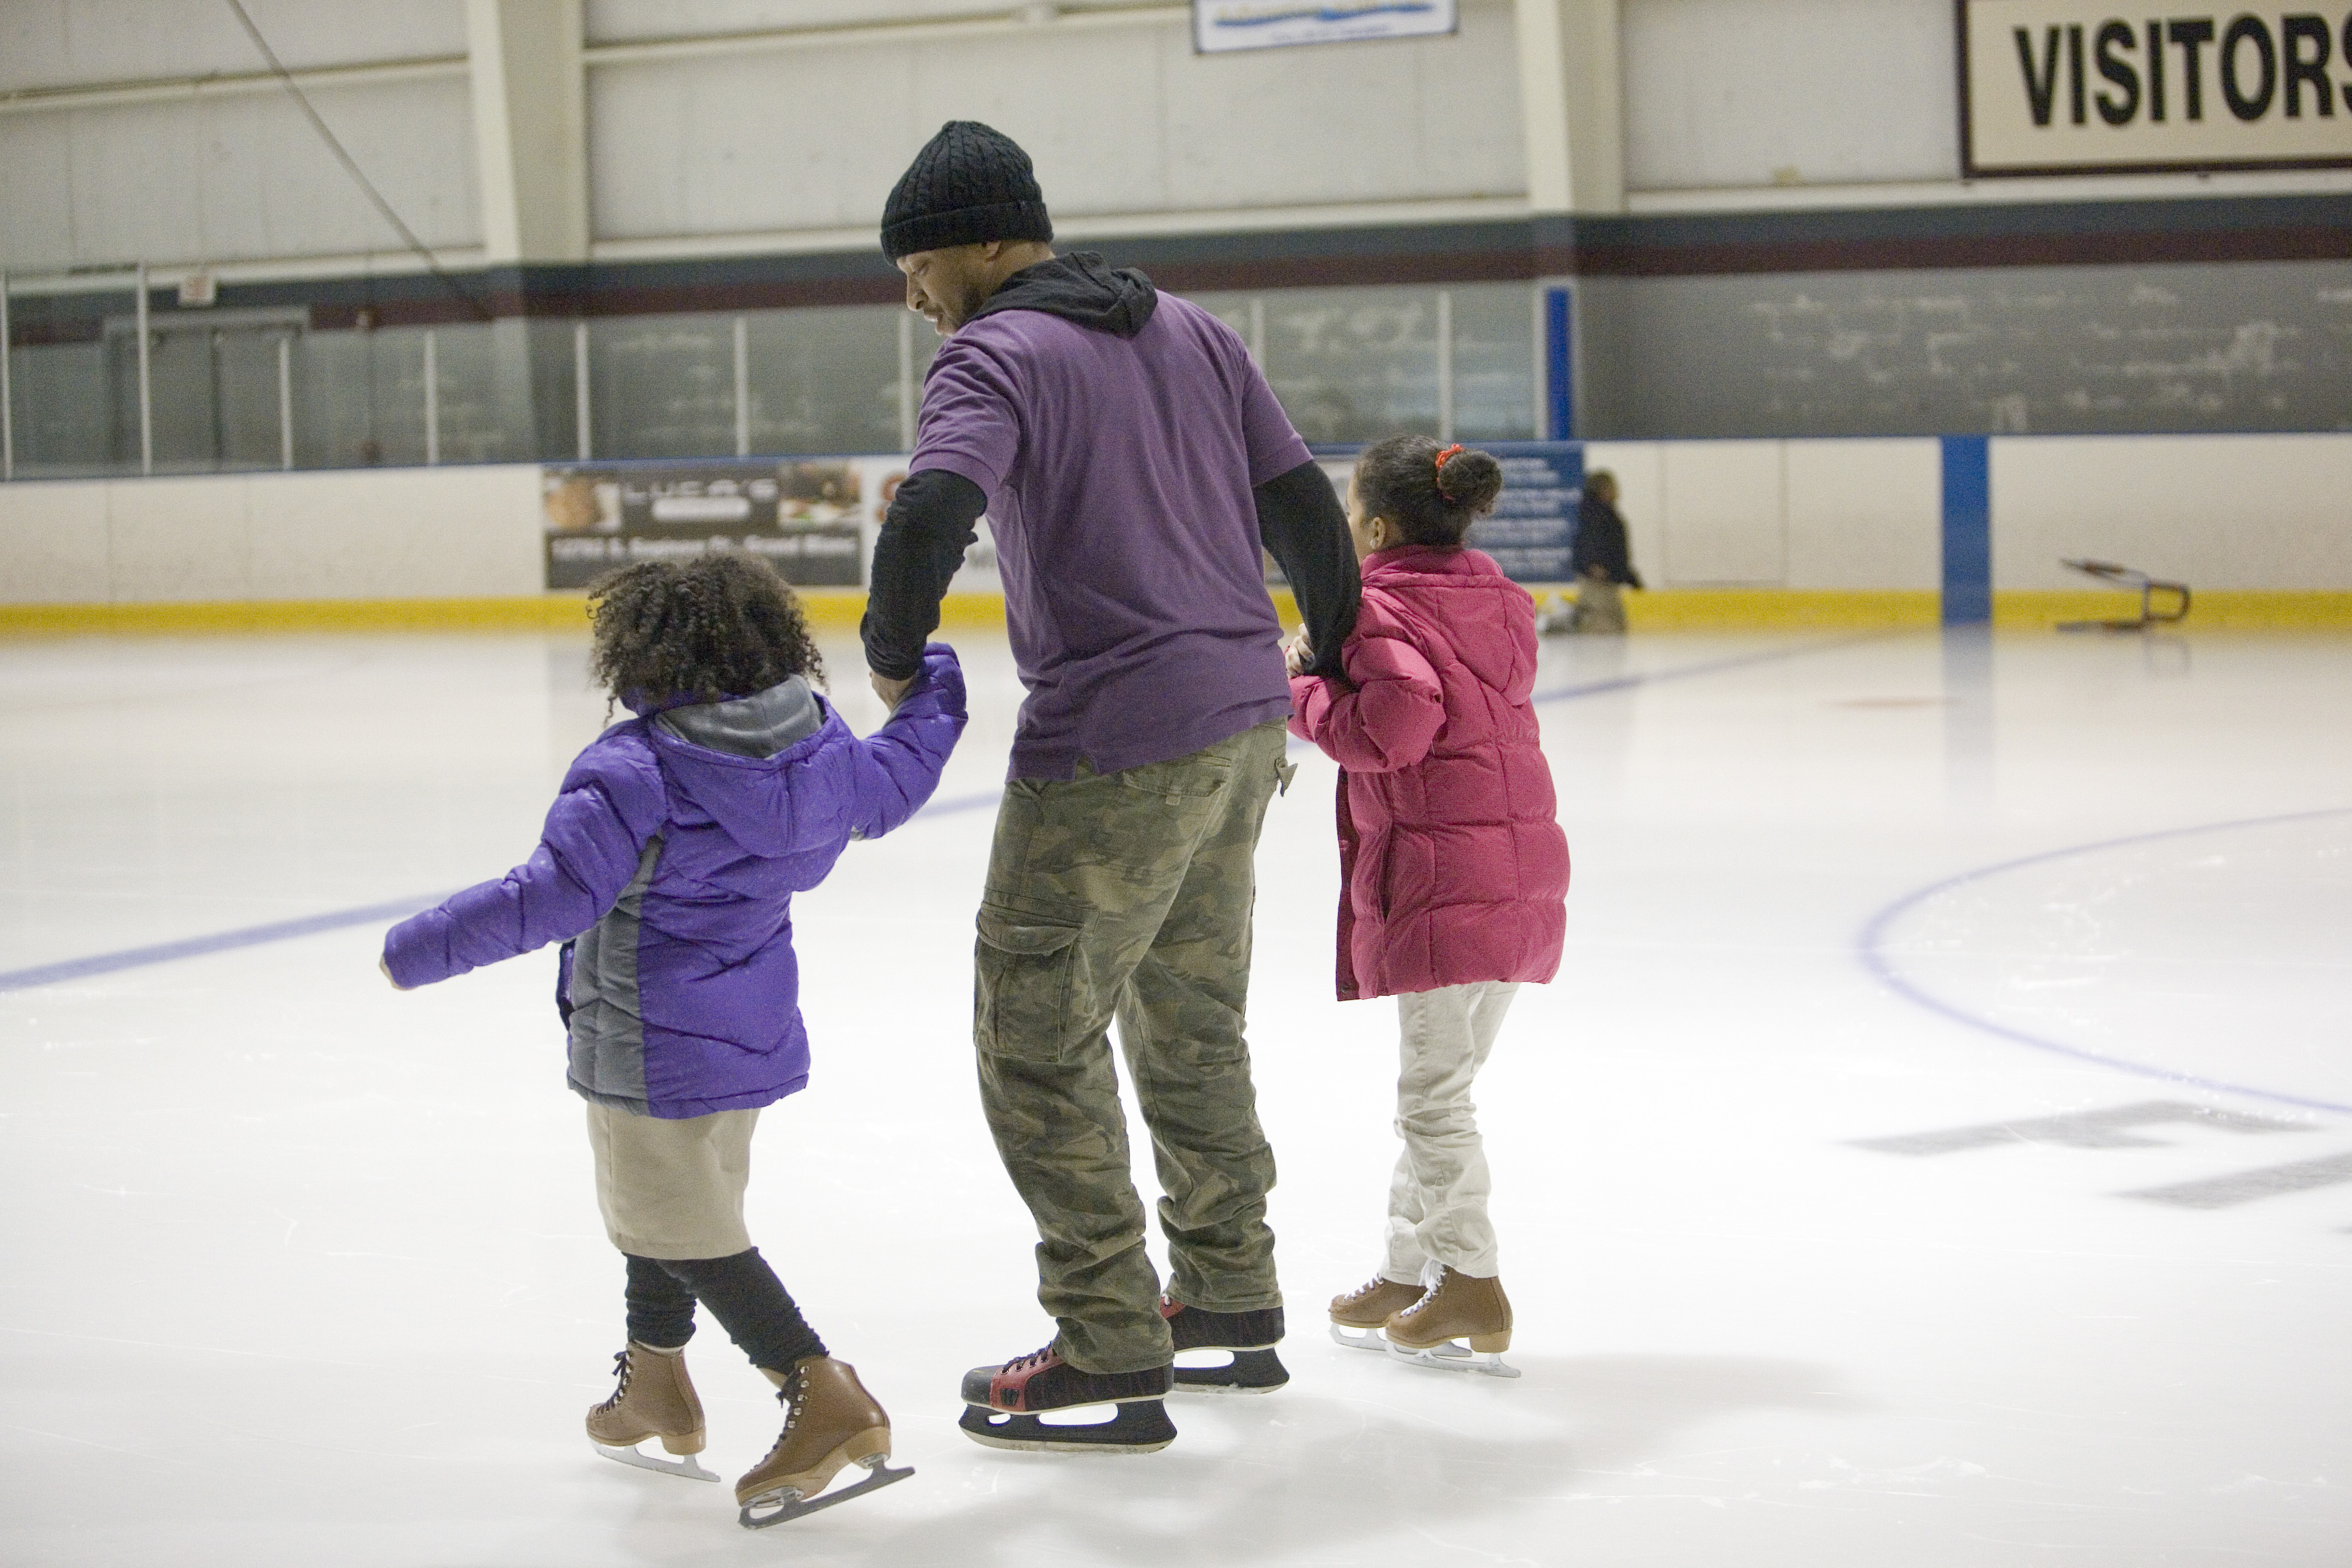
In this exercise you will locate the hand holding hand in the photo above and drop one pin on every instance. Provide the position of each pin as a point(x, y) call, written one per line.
point(892, 692)
point(1295, 655)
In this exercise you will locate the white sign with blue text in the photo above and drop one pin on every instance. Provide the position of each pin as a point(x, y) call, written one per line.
point(1223, 26)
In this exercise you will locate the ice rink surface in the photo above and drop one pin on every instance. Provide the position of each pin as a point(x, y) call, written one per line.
point(1935, 1152)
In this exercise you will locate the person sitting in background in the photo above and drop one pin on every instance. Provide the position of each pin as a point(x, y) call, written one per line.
point(1603, 563)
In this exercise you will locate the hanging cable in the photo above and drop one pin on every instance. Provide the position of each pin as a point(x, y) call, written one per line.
point(336, 147)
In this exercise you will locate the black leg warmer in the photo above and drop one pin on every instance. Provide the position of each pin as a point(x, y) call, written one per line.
point(661, 1307)
point(750, 1302)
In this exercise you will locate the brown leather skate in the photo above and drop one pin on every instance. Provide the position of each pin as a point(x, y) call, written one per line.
point(830, 1421)
point(1365, 1309)
point(1371, 1304)
point(655, 1398)
point(1459, 1307)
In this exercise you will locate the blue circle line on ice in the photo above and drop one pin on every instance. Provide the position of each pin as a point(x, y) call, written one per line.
point(1871, 947)
point(312, 925)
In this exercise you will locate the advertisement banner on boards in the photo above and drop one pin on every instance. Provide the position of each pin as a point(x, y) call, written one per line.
point(2053, 87)
point(1224, 26)
point(812, 518)
point(1531, 533)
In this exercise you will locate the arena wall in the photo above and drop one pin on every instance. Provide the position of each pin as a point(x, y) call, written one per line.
point(1725, 533)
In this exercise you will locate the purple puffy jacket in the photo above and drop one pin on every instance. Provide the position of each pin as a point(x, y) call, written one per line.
point(672, 854)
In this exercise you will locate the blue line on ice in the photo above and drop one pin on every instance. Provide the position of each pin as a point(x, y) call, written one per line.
point(311, 925)
point(1871, 947)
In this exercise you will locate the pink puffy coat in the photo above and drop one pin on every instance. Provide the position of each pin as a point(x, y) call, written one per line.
point(1454, 866)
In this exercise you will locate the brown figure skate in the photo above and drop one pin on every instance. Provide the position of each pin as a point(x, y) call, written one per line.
point(829, 1422)
point(1457, 1308)
point(1366, 1309)
point(655, 1398)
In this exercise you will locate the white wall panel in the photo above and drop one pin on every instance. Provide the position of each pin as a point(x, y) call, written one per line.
point(1735, 92)
point(1393, 121)
point(1864, 514)
point(750, 142)
point(1118, 120)
point(1726, 518)
point(396, 533)
point(36, 224)
point(228, 179)
point(385, 533)
point(53, 539)
point(2215, 511)
point(59, 42)
point(177, 540)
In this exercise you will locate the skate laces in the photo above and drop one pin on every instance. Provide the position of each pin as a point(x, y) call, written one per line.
point(790, 1397)
point(620, 1370)
point(1031, 1361)
point(1431, 1282)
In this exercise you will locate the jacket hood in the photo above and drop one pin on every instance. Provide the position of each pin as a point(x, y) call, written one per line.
point(732, 759)
point(1081, 287)
point(757, 726)
point(1466, 600)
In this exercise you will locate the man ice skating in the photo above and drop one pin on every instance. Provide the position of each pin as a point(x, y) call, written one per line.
point(1132, 461)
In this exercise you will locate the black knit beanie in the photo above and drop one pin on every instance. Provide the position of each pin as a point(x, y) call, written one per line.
point(968, 185)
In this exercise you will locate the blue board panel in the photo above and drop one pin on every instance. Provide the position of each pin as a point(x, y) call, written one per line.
point(1968, 531)
point(1559, 367)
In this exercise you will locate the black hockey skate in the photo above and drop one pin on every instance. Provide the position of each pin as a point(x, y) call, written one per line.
point(1005, 1406)
point(1253, 1367)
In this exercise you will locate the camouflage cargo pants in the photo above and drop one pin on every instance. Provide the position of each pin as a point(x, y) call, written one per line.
point(1129, 895)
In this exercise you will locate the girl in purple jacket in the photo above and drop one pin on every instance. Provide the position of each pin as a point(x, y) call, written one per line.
point(1454, 869)
point(668, 869)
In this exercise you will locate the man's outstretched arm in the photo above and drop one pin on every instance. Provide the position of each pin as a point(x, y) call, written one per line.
point(931, 523)
point(1300, 519)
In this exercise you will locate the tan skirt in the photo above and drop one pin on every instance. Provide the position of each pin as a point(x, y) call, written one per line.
point(673, 1189)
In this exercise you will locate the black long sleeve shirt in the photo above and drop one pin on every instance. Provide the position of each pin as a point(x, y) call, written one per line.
point(932, 521)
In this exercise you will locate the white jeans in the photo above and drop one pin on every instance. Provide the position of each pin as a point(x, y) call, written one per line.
point(1437, 1201)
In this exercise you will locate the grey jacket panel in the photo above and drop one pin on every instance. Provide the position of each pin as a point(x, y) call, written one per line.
point(608, 1030)
point(756, 727)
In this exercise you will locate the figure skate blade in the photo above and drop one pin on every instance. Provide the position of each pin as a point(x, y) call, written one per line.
point(684, 1465)
point(789, 1505)
point(1454, 1356)
point(1136, 1426)
point(1372, 1339)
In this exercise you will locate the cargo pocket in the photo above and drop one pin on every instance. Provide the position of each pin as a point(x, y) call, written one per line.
point(1024, 981)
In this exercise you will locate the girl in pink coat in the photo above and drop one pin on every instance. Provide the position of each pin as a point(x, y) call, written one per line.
point(1456, 870)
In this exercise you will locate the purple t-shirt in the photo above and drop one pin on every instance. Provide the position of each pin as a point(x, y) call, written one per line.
point(1118, 472)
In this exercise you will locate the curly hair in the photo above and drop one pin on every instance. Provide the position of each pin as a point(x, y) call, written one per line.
point(716, 626)
point(1401, 479)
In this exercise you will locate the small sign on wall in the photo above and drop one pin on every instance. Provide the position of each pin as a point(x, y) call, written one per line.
point(2072, 87)
point(1223, 27)
point(806, 519)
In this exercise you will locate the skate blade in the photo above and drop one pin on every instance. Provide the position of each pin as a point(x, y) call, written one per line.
point(1140, 1426)
point(1454, 1356)
point(789, 1504)
point(1372, 1339)
point(1254, 1371)
point(684, 1465)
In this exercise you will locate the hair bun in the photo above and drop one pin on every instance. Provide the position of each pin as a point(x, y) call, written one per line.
point(1470, 480)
